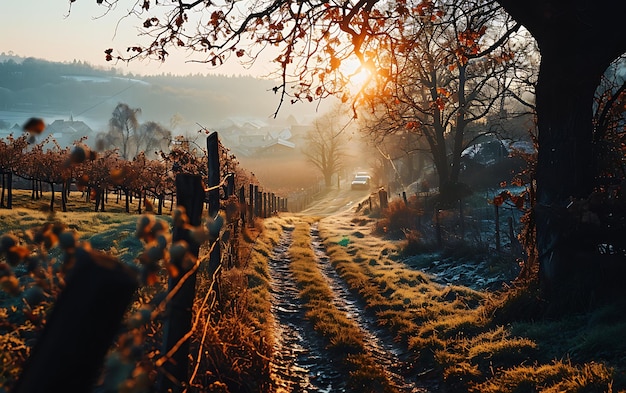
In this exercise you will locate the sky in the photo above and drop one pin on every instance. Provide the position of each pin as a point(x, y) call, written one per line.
point(47, 29)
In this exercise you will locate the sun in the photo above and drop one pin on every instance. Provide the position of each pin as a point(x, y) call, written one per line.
point(357, 75)
point(360, 78)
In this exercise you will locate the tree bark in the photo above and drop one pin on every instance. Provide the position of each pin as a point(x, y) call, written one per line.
point(98, 196)
point(328, 179)
point(577, 43)
point(51, 196)
point(64, 197)
point(3, 186)
point(10, 190)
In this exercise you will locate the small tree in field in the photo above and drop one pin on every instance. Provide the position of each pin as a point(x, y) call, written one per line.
point(326, 144)
point(123, 127)
point(11, 159)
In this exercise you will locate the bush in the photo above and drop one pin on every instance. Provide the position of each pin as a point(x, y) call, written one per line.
point(398, 218)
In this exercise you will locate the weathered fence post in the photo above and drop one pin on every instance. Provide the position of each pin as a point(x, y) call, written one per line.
point(265, 205)
point(257, 202)
point(497, 227)
point(242, 205)
point(382, 196)
point(461, 219)
point(190, 195)
point(230, 185)
point(251, 206)
point(212, 144)
point(438, 228)
point(69, 353)
point(511, 233)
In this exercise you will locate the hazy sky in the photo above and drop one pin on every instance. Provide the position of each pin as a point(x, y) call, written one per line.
point(45, 29)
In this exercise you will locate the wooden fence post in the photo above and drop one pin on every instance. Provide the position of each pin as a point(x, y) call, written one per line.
point(242, 205)
point(257, 202)
point(438, 228)
point(190, 195)
point(212, 144)
point(69, 353)
point(230, 184)
point(382, 196)
point(264, 214)
point(251, 206)
point(497, 227)
point(461, 219)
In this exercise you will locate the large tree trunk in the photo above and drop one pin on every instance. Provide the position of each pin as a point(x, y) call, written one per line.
point(577, 43)
point(565, 167)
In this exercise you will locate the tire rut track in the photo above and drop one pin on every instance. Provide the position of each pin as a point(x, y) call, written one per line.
point(378, 342)
point(300, 362)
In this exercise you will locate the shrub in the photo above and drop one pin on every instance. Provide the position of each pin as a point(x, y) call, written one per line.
point(398, 218)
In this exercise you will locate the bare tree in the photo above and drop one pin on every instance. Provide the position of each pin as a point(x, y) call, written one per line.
point(150, 137)
point(123, 126)
point(449, 72)
point(326, 143)
point(131, 137)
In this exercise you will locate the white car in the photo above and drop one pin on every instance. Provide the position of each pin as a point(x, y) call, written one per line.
point(360, 182)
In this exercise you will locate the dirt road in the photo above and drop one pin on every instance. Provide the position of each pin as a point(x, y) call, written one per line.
point(302, 361)
point(336, 201)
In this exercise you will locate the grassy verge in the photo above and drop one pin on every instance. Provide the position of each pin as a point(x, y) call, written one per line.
point(259, 246)
point(344, 338)
point(456, 331)
point(231, 343)
point(23, 312)
point(238, 344)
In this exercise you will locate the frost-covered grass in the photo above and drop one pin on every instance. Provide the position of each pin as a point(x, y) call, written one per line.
point(343, 337)
point(477, 341)
point(257, 249)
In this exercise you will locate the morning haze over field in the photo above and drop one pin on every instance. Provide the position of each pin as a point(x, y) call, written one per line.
point(372, 196)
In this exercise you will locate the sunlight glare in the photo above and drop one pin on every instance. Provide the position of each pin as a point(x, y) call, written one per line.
point(358, 75)
point(358, 79)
